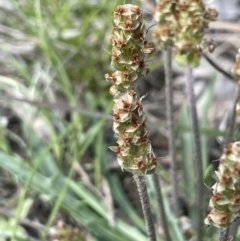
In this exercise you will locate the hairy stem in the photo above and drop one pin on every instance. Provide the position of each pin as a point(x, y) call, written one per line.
point(157, 187)
point(142, 190)
point(170, 125)
point(232, 231)
point(198, 154)
point(224, 234)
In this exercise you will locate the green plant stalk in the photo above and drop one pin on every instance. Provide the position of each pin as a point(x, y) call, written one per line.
point(58, 203)
point(170, 125)
point(197, 146)
point(157, 187)
point(142, 190)
point(204, 122)
point(98, 159)
point(188, 163)
point(174, 228)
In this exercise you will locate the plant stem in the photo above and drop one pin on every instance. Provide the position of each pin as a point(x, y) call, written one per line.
point(233, 231)
point(142, 190)
point(224, 234)
point(197, 146)
point(170, 125)
point(157, 187)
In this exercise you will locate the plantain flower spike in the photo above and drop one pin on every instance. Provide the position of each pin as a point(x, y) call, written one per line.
point(225, 201)
point(181, 25)
point(129, 48)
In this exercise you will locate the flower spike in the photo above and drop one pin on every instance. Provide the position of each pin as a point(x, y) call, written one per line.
point(129, 48)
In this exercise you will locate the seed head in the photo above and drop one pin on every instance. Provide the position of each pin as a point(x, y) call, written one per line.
point(129, 48)
point(181, 25)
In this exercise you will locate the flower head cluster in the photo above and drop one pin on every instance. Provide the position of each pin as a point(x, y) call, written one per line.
point(225, 201)
point(181, 25)
point(129, 48)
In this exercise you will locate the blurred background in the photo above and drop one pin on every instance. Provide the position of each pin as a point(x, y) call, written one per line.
point(58, 179)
